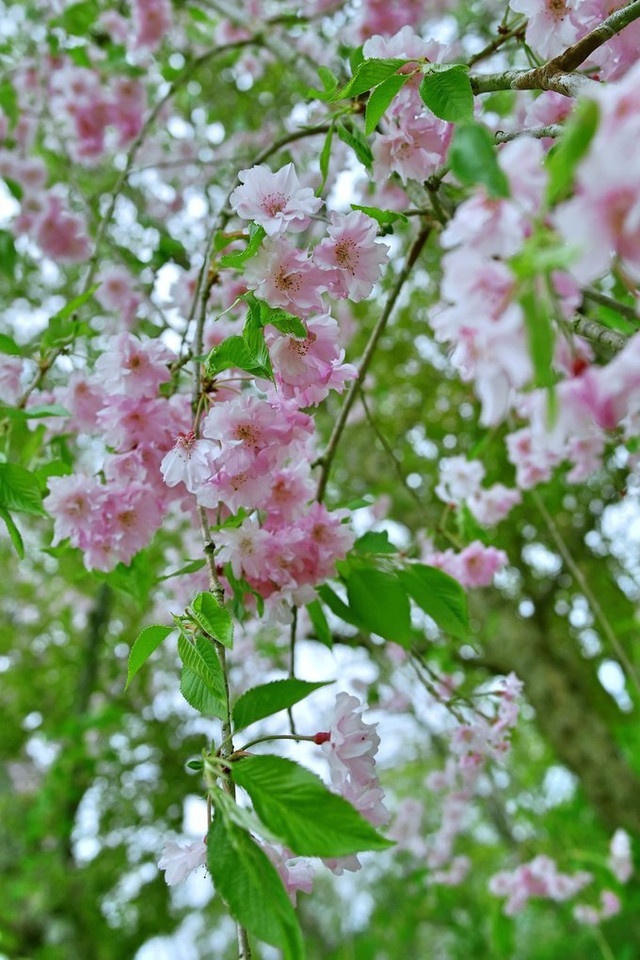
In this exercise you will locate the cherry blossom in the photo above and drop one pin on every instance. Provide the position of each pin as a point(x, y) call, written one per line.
point(178, 860)
point(276, 201)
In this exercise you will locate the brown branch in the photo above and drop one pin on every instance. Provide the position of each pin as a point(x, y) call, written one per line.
point(578, 52)
point(328, 457)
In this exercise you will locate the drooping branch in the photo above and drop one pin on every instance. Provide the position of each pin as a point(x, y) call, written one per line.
point(326, 461)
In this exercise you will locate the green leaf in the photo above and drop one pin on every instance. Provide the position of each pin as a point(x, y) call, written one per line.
point(354, 138)
point(325, 159)
point(374, 541)
point(296, 806)
point(369, 74)
point(20, 490)
point(201, 658)
point(284, 322)
point(439, 595)
point(563, 159)
point(7, 343)
point(239, 257)
point(8, 258)
point(384, 217)
point(246, 879)
point(78, 18)
point(537, 318)
point(269, 698)
point(320, 624)
point(145, 643)
point(472, 158)
point(234, 353)
point(380, 602)
point(446, 91)
point(191, 567)
point(35, 413)
point(329, 83)
point(213, 619)
point(198, 696)
point(62, 326)
point(337, 606)
point(14, 533)
point(380, 99)
point(9, 102)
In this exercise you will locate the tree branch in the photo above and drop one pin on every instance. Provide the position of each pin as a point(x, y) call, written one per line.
point(598, 333)
point(328, 457)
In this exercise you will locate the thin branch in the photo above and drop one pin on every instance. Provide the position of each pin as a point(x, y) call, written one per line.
point(503, 37)
point(292, 660)
point(629, 313)
point(551, 130)
point(328, 457)
point(598, 333)
point(581, 580)
point(578, 52)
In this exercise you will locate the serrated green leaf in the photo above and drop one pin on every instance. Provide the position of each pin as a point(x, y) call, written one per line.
point(201, 658)
point(447, 93)
point(320, 624)
point(144, 645)
point(380, 603)
point(20, 490)
point(233, 353)
point(354, 139)
point(213, 619)
point(246, 879)
point(563, 159)
point(14, 533)
point(329, 83)
point(472, 159)
point(369, 74)
point(297, 807)
point(239, 257)
point(198, 696)
point(439, 595)
point(380, 99)
point(269, 698)
point(284, 322)
point(336, 605)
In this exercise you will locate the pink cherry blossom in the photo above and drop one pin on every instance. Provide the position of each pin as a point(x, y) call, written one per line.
point(132, 367)
point(459, 479)
point(550, 27)
point(274, 200)
point(353, 743)
point(285, 277)
point(10, 378)
point(296, 873)
point(61, 235)
point(306, 370)
point(351, 256)
point(152, 21)
point(190, 461)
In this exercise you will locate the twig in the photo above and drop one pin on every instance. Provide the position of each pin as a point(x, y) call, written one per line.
point(502, 38)
point(328, 457)
point(592, 330)
point(581, 580)
point(622, 308)
point(292, 660)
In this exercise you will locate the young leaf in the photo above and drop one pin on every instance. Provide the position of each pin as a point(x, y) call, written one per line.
point(239, 257)
point(212, 618)
point(384, 217)
point(202, 659)
point(448, 94)
point(537, 318)
point(473, 159)
point(145, 643)
point(439, 595)
point(269, 698)
point(369, 74)
point(319, 621)
point(246, 879)
point(20, 490)
point(198, 696)
point(284, 322)
point(296, 806)
point(380, 602)
point(380, 99)
point(563, 159)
